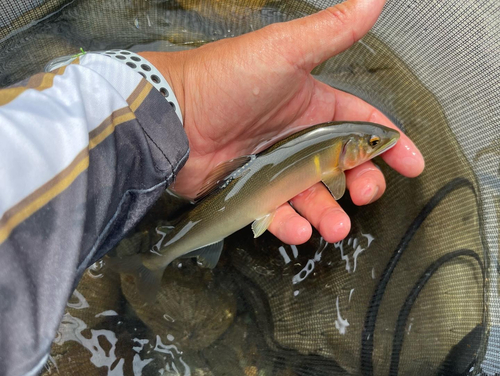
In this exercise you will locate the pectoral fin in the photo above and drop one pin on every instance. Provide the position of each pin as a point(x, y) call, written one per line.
point(209, 255)
point(335, 182)
point(260, 225)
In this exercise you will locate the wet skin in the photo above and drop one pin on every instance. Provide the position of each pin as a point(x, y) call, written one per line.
point(237, 93)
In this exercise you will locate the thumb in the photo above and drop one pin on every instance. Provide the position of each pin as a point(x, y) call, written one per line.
point(308, 41)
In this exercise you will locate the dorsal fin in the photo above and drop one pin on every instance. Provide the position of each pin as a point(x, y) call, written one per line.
point(221, 173)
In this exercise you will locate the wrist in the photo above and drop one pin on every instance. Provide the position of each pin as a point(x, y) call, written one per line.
point(171, 66)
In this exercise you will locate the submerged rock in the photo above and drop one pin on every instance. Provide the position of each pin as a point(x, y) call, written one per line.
point(192, 308)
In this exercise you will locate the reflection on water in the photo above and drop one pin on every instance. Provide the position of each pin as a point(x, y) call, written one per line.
point(269, 308)
point(274, 309)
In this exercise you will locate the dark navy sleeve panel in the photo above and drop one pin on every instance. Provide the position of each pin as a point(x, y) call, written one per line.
point(127, 179)
point(131, 157)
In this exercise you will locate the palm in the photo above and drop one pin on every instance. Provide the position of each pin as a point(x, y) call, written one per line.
point(238, 93)
point(252, 104)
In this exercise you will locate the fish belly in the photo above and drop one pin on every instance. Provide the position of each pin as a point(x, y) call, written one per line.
point(220, 217)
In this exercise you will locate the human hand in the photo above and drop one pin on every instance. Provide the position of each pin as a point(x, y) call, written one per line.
point(236, 93)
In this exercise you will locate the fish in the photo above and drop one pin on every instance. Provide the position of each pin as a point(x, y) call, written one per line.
point(249, 189)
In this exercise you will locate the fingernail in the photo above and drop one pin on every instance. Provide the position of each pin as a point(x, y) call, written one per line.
point(304, 233)
point(413, 165)
point(410, 162)
point(374, 194)
point(340, 229)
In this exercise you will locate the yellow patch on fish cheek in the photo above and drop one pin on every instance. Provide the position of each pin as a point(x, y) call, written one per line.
point(361, 155)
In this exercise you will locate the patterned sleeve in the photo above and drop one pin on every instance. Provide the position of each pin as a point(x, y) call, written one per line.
point(84, 152)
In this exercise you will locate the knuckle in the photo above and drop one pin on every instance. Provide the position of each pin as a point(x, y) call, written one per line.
point(340, 13)
point(343, 14)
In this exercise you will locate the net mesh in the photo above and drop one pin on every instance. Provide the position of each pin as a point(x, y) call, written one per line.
point(414, 288)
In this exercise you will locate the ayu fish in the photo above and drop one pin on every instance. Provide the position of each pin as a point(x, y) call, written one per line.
point(249, 189)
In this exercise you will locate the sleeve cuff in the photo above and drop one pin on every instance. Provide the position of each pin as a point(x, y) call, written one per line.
point(158, 119)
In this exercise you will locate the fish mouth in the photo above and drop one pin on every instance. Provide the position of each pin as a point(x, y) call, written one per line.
point(386, 147)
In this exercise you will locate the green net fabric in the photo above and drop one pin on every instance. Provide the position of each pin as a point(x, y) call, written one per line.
point(414, 288)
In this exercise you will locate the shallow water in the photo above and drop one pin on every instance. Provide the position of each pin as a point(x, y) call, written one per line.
point(354, 307)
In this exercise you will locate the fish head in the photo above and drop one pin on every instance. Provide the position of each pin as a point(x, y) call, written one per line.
point(366, 142)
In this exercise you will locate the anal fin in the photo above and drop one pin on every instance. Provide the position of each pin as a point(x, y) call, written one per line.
point(336, 183)
point(260, 225)
point(148, 283)
point(209, 255)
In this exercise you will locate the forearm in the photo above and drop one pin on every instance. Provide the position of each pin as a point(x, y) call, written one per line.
point(84, 152)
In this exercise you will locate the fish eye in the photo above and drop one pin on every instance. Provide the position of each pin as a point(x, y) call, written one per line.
point(374, 141)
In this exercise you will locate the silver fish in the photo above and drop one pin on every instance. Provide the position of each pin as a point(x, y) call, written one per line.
point(249, 189)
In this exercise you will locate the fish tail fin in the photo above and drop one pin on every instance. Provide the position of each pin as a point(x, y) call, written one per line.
point(147, 281)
